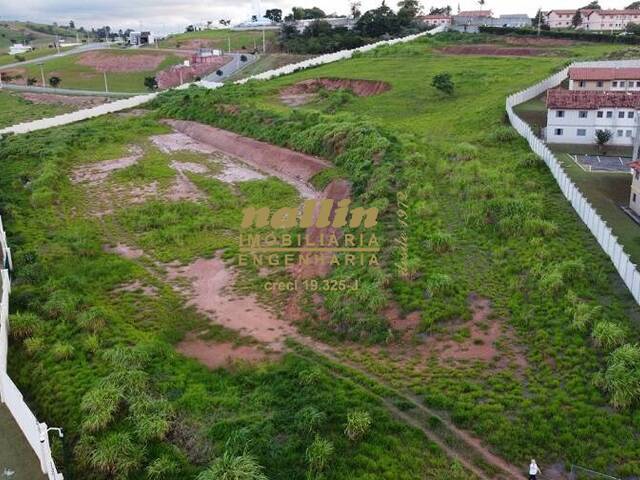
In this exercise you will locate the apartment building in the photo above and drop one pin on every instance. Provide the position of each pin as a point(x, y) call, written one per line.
point(595, 20)
point(619, 79)
point(574, 116)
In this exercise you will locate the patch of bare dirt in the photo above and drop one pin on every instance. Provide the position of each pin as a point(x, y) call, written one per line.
point(172, 76)
point(134, 112)
point(124, 250)
point(183, 188)
point(216, 355)
point(17, 76)
point(493, 51)
point(80, 101)
point(137, 286)
point(405, 324)
point(175, 142)
point(362, 88)
point(110, 62)
point(538, 41)
point(292, 167)
point(209, 284)
point(94, 173)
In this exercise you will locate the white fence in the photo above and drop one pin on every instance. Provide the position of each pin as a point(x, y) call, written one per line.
point(607, 240)
point(136, 101)
point(34, 431)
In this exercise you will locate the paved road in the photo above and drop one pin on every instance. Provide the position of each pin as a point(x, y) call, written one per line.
point(82, 48)
point(232, 67)
point(17, 460)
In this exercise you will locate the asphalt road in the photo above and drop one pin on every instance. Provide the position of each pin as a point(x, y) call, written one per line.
point(232, 67)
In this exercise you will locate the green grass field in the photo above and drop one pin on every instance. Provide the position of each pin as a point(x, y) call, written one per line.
point(484, 219)
point(240, 39)
point(38, 35)
point(6, 59)
point(83, 77)
point(14, 109)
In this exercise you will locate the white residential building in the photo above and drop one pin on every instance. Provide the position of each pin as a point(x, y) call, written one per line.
point(573, 116)
point(562, 18)
point(608, 20)
point(19, 48)
point(619, 79)
point(436, 20)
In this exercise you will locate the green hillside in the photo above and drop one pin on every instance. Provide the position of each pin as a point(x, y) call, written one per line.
point(35, 34)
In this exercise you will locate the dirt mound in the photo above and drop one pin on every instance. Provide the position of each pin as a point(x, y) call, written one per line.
point(492, 50)
point(216, 355)
point(79, 101)
point(171, 77)
point(290, 166)
point(109, 62)
point(362, 88)
point(538, 41)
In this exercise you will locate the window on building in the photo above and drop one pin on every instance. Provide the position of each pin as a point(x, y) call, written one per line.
point(558, 131)
point(634, 198)
point(620, 133)
point(600, 114)
point(627, 133)
point(620, 114)
point(638, 84)
point(599, 83)
point(582, 83)
point(560, 113)
point(582, 132)
point(614, 84)
point(609, 114)
point(622, 83)
point(582, 114)
point(630, 114)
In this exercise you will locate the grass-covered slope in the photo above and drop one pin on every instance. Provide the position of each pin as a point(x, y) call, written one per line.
point(487, 219)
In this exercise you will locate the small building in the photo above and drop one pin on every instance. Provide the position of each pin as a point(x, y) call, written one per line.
point(619, 79)
point(634, 197)
point(512, 20)
point(140, 38)
point(19, 48)
point(436, 20)
point(574, 116)
point(562, 18)
point(345, 22)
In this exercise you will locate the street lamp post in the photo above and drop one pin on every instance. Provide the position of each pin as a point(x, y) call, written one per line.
point(106, 85)
point(42, 73)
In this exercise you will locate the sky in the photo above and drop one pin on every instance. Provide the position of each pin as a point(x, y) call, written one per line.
point(170, 16)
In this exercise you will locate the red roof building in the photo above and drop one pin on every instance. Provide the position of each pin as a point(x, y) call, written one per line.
point(559, 98)
point(605, 73)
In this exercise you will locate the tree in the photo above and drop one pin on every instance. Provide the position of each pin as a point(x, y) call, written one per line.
point(440, 10)
point(55, 81)
point(233, 467)
point(592, 6)
point(151, 83)
point(30, 81)
point(274, 14)
point(72, 24)
point(358, 424)
point(378, 22)
point(576, 21)
point(540, 19)
point(443, 82)
point(224, 22)
point(633, 6)
point(408, 10)
point(632, 28)
point(602, 137)
point(355, 9)
point(301, 13)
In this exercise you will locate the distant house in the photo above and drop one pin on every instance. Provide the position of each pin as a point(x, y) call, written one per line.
point(634, 197)
point(595, 20)
point(574, 116)
point(19, 48)
point(472, 20)
point(345, 22)
point(605, 78)
point(562, 18)
point(514, 20)
point(436, 20)
point(140, 38)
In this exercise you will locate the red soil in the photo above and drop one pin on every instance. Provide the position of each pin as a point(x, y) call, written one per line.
point(492, 50)
point(170, 77)
point(124, 250)
point(79, 101)
point(109, 62)
point(362, 88)
point(293, 167)
point(216, 355)
point(538, 41)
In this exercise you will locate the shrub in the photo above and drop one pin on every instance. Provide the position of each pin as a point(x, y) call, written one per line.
point(439, 242)
point(440, 283)
point(464, 152)
point(61, 303)
point(502, 135)
point(62, 351)
point(318, 455)
point(233, 467)
point(161, 468)
point(99, 407)
point(608, 335)
point(443, 82)
point(93, 319)
point(309, 376)
point(24, 325)
point(116, 455)
point(584, 315)
point(530, 160)
point(358, 424)
point(308, 419)
point(33, 345)
point(622, 376)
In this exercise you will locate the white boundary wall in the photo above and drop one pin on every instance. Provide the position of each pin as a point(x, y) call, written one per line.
point(136, 101)
point(603, 233)
point(34, 431)
point(9, 393)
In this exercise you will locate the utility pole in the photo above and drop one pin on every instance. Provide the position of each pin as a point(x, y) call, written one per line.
point(180, 73)
point(58, 43)
point(229, 43)
point(42, 74)
point(106, 85)
point(539, 20)
point(264, 42)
